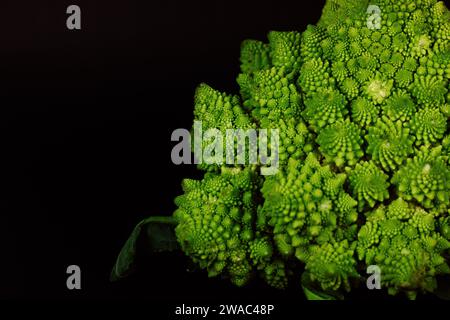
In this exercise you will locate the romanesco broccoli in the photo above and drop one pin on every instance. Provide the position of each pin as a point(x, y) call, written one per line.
point(363, 109)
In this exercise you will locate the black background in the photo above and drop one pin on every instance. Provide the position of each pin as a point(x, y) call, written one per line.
point(86, 119)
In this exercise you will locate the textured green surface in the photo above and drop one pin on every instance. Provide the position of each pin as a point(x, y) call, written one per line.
point(362, 105)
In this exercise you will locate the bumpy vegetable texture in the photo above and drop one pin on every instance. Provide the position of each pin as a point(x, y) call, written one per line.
point(362, 105)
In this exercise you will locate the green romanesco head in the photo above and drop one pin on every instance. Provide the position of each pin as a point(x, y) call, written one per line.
point(361, 101)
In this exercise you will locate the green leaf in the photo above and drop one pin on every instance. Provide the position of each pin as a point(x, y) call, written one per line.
point(151, 235)
point(443, 289)
point(312, 292)
point(312, 295)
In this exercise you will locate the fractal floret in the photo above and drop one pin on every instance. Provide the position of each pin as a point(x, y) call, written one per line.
point(361, 103)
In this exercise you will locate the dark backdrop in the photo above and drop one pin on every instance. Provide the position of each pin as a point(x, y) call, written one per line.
point(86, 118)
